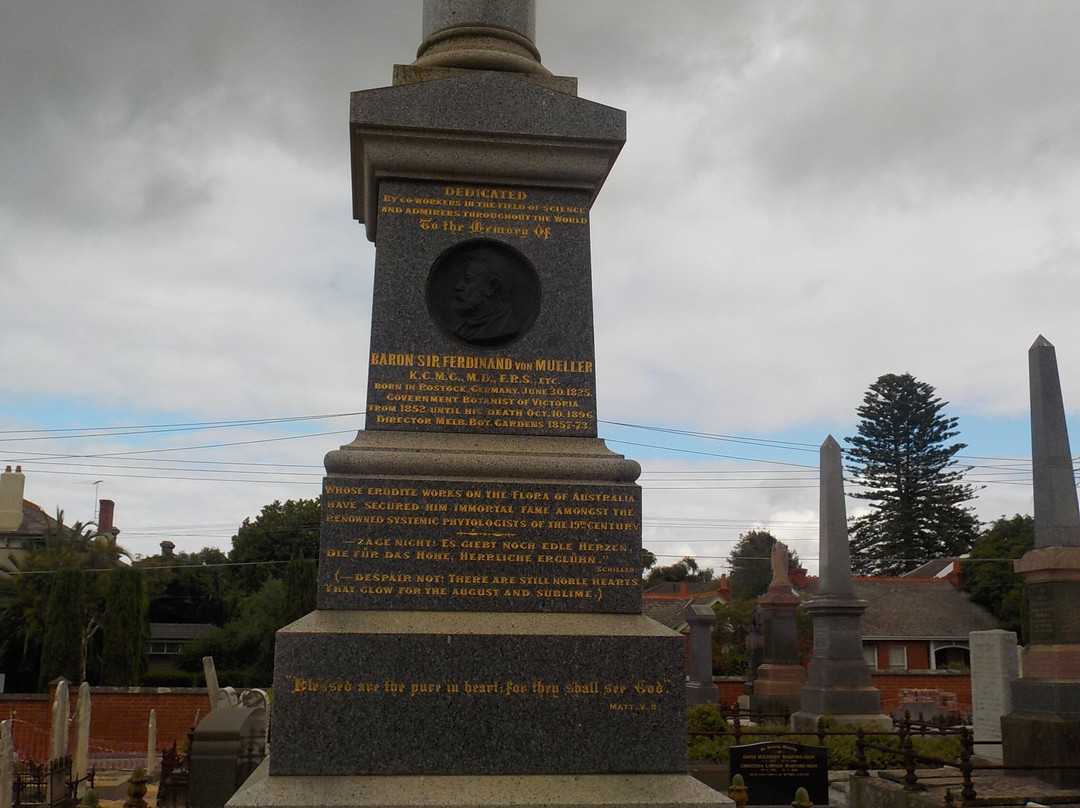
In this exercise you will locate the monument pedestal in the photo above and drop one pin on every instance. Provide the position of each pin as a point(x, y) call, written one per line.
point(780, 677)
point(838, 679)
point(1043, 726)
point(476, 791)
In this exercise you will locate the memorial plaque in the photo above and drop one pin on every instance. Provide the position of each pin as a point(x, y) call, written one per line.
point(1052, 607)
point(774, 770)
point(488, 698)
point(456, 545)
point(483, 311)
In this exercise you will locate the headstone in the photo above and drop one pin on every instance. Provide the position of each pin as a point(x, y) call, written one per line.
point(210, 674)
point(774, 770)
point(80, 759)
point(226, 746)
point(58, 724)
point(995, 665)
point(7, 764)
point(1043, 726)
point(700, 687)
point(780, 676)
point(838, 678)
point(151, 743)
point(479, 610)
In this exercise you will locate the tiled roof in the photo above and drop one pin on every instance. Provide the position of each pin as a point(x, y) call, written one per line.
point(178, 631)
point(925, 609)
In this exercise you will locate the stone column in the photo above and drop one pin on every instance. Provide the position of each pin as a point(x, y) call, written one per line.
point(1044, 724)
point(838, 679)
point(995, 665)
point(701, 689)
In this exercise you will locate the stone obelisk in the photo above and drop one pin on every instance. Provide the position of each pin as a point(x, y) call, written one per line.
point(1044, 724)
point(479, 638)
point(838, 678)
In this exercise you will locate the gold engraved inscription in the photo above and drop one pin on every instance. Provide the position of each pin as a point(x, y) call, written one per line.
point(482, 211)
point(639, 695)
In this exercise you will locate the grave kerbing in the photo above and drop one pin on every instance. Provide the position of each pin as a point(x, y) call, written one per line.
point(479, 612)
point(838, 678)
point(1043, 727)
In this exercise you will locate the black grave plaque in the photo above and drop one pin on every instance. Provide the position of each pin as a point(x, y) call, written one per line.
point(774, 770)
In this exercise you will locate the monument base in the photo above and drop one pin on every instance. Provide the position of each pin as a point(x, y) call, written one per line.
point(701, 693)
point(1044, 729)
point(262, 790)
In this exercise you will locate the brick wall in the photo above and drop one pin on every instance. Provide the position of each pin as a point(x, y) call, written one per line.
point(890, 683)
point(118, 717)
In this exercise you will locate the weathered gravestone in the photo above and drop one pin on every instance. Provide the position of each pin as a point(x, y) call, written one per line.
point(774, 770)
point(479, 610)
point(226, 746)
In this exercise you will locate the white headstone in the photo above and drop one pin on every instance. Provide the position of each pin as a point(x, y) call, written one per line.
point(210, 672)
point(151, 743)
point(995, 664)
point(7, 764)
point(80, 763)
point(58, 729)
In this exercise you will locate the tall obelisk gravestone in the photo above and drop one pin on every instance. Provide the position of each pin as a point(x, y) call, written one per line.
point(838, 679)
point(1044, 724)
point(479, 638)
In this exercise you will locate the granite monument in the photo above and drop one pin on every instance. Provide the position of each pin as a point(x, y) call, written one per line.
point(1043, 726)
point(479, 637)
point(838, 678)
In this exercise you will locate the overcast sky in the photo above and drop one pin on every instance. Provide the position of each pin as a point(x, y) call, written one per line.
point(811, 195)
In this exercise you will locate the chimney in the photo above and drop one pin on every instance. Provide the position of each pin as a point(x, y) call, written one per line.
point(724, 589)
point(105, 516)
point(798, 578)
point(167, 548)
point(12, 485)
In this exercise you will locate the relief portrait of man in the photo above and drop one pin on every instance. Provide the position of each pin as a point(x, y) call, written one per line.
point(483, 293)
point(482, 300)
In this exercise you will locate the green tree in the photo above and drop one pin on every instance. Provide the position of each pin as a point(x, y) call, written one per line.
point(187, 587)
point(281, 531)
point(906, 467)
point(989, 576)
point(733, 619)
point(124, 629)
point(684, 570)
point(62, 650)
point(301, 588)
point(751, 565)
point(648, 559)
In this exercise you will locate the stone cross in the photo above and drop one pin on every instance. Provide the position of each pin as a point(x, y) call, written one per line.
point(80, 763)
point(1057, 517)
point(835, 555)
point(58, 734)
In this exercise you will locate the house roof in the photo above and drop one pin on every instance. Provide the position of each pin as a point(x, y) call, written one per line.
point(938, 568)
point(178, 632)
point(665, 602)
point(929, 608)
point(34, 520)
